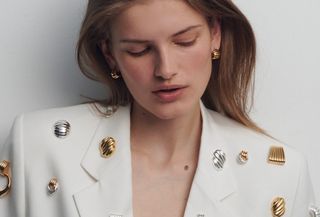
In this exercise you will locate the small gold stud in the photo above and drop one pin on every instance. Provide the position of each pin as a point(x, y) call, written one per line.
point(243, 157)
point(276, 156)
point(107, 147)
point(53, 185)
point(5, 172)
point(278, 207)
point(215, 54)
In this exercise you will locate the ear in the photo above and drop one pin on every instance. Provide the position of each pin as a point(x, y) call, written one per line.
point(107, 54)
point(216, 35)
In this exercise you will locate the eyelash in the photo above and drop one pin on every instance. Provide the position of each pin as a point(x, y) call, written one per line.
point(187, 43)
point(141, 53)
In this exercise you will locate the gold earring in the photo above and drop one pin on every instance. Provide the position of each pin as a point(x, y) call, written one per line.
point(114, 74)
point(215, 54)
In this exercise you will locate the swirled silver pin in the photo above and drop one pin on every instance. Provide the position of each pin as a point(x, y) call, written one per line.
point(62, 128)
point(219, 158)
point(314, 211)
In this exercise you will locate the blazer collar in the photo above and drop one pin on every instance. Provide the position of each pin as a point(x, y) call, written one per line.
point(211, 187)
point(111, 194)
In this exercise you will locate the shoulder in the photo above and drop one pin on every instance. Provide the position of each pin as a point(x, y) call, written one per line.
point(243, 138)
point(51, 129)
point(272, 170)
point(42, 121)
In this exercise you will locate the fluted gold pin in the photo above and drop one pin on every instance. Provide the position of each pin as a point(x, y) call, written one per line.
point(276, 155)
point(107, 147)
point(5, 172)
point(243, 157)
point(278, 207)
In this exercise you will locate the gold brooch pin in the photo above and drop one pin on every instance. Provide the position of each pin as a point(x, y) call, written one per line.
point(5, 172)
point(107, 147)
point(53, 185)
point(276, 155)
point(278, 207)
point(243, 157)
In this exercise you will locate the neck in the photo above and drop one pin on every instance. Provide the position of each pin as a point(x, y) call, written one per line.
point(171, 139)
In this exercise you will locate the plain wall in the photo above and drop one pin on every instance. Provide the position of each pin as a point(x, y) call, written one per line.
point(38, 68)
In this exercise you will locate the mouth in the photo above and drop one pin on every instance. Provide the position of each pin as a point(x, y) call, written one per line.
point(168, 89)
point(169, 93)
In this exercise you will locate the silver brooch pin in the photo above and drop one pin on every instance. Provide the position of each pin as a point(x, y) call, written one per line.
point(219, 158)
point(62, 128)
point(314, 211)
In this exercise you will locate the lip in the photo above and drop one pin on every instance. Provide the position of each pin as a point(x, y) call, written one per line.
point(169, 93)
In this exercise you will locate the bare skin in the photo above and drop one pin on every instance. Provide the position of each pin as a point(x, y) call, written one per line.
point(163, 163)
point(163, 51)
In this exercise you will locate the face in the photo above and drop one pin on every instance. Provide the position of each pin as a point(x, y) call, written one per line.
point(163, 51)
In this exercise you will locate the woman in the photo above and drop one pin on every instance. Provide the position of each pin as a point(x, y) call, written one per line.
point(174, 139)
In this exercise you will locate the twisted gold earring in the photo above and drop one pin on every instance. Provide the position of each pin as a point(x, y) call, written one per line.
point(215, 54)
point(114, 74)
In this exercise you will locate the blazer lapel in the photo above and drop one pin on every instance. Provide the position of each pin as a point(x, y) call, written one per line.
point(211, 189)
point(110, 195)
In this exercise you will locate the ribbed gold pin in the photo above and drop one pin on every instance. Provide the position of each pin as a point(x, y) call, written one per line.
point(107, 147)
point(278, 207)
point(276, 155)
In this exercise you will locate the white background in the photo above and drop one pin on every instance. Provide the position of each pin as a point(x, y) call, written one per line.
point(38, 68)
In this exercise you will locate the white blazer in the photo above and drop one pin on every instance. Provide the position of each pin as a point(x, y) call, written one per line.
point(93, 186)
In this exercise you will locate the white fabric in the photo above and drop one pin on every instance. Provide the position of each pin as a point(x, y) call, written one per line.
point(92, 186)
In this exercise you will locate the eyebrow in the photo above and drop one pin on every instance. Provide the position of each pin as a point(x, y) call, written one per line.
point(146, 41)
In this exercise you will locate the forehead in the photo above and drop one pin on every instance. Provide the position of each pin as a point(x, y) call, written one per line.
point(151, 18)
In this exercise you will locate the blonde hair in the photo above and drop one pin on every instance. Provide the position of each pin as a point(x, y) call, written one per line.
point(231, 79)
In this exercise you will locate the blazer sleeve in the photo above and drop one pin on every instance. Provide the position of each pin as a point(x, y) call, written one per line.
point(13, 204)
point(304, 197)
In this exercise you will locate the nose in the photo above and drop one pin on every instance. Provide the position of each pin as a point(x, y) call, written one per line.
point(166, 65)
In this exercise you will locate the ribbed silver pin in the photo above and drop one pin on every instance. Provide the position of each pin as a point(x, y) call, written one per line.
point(219, 158)
point(62, 128)
point(314, 211)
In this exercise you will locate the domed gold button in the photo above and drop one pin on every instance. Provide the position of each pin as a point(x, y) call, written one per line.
point(53, 185)
point(243, 157)
point(107, 147)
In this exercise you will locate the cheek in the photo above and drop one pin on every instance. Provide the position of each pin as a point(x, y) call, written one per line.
point(135, 71)
point(199, 61)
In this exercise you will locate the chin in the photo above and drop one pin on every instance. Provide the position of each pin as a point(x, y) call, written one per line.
point(172, 110)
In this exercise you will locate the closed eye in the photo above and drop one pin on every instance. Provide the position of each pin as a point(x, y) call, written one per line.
point(139, 53)
point(186, 43)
